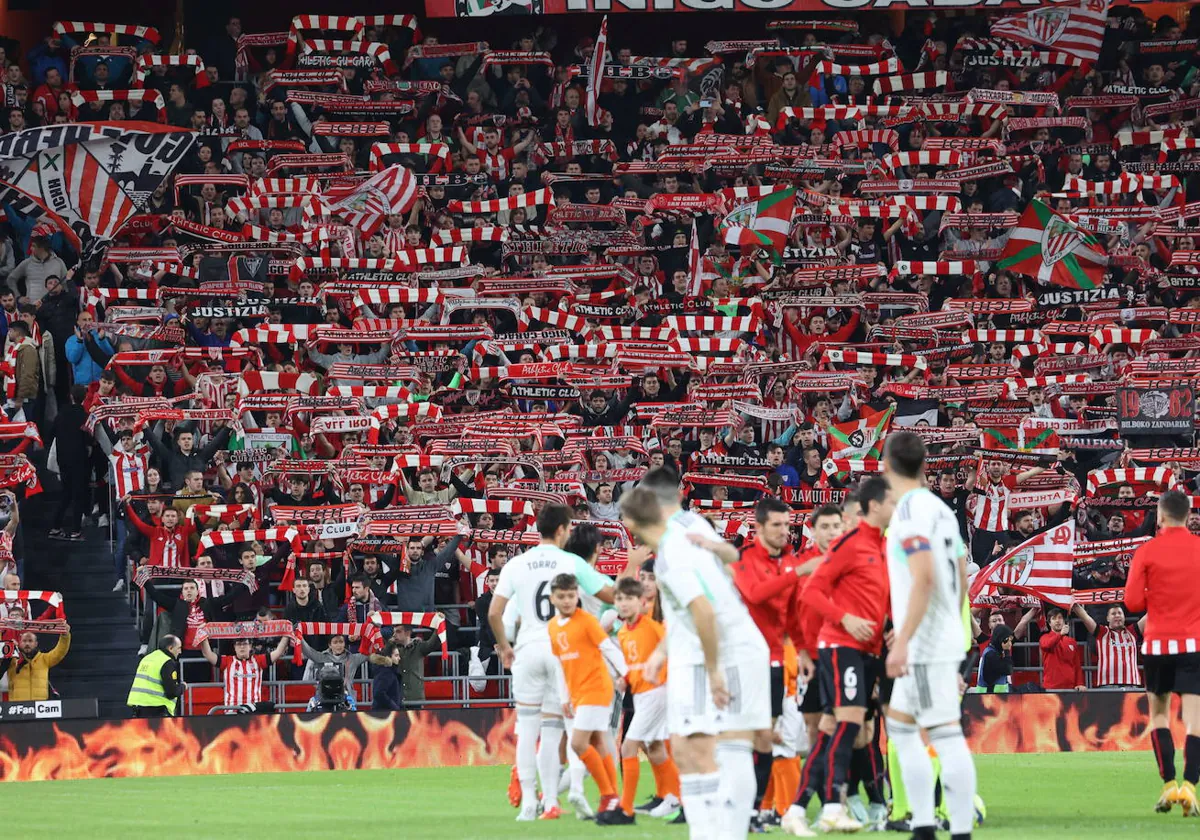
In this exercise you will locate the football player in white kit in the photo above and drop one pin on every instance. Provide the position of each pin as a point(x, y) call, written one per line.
point(525, 582)
point(718, 665)
point(927, 568)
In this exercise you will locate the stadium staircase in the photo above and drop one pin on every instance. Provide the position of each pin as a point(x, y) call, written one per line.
point(104, 641)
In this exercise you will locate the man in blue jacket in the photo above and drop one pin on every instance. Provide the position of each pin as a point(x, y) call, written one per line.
point(84, 367)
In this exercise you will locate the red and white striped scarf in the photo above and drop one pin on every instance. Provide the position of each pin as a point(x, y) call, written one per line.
point(80, 97)
point(860, 357)
point(441, 151)
point(462, 236)
point(75, 27)
point(258, 381)
point(911, 82)
point(9, 367)
point(526, 199)
point(875, 68)
point(866, 138)
point(906, 268)
point(431, 620)
point(289, 535)
point(147, 61)
point(896, 160)
point(1124, 183)
point(315, 237)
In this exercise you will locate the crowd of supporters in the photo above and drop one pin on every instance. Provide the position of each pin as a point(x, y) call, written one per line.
point(374, 407)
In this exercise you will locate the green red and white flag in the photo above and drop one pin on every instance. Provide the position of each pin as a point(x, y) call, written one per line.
point(764, 223)
point(1048, 247)
point(1021, 439)
point(862, 438)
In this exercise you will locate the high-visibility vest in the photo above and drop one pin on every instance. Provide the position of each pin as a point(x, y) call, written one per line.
point(147, 688)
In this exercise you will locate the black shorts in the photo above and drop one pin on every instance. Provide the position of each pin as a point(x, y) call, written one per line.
point(811, 703)
point(777, 691)
point(1173, 674)
point(847, 677)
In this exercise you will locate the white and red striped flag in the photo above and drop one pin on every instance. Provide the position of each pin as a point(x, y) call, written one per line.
point(596, 74)
point(365, 206)
point(1040, 566)
point(1076, 30)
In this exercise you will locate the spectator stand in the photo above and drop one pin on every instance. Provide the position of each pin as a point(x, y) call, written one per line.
point(378, 316)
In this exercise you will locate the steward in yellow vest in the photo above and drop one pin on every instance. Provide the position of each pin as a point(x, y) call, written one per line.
point(157, 685)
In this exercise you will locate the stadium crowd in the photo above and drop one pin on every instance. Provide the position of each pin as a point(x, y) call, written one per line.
point(394, 299)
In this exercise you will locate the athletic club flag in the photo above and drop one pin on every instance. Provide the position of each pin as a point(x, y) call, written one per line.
point(1078, 30)
point(1051, 249)
point(764, 223)
point(1041, 566)
point(366, 205)
point(596, 74)
point(860, 438)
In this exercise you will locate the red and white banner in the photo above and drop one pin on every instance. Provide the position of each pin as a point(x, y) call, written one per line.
point(1040, 566)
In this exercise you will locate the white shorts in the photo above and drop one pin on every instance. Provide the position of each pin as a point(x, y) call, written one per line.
point(790, 727)
point(649, 716)
point(535, 679)
point(929, 694)
point(690, 710)
point(592, 718)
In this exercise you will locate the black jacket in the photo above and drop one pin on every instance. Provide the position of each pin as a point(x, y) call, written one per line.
point(178, 608)
point(333, 596)
point(487, 639)
point(57, 314)
point(175, 465)
point(386, 692)
point(71, 437)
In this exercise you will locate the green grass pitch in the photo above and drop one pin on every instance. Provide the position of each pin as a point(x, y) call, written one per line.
point(1071, 795)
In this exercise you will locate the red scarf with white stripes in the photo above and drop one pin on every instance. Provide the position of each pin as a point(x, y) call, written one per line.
point(9, 367)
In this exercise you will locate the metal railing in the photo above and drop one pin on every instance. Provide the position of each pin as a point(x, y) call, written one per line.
point(274, 691)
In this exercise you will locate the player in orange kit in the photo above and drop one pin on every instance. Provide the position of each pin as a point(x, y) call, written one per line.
point(638, 638)
point(585, 653)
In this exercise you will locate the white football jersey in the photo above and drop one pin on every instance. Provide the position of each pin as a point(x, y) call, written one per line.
point(923, 521)
point(525, 581)
point(685, 572)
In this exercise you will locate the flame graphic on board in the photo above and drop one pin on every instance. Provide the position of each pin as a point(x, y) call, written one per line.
point(1084, 722)
point(252, 744)
point(81, 749)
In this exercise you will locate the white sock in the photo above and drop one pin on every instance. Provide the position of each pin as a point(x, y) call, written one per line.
point(735, 763)
point(529, 721)
point(916, 769)
point(548, 764)
point(698, 793)
point(958, 776)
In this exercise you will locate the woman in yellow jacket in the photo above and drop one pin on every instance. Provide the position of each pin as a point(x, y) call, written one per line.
point(29, 670)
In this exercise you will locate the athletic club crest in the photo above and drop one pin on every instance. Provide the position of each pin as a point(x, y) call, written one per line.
point(1058, 240)
point(1047, 25)
point(1017, 569)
